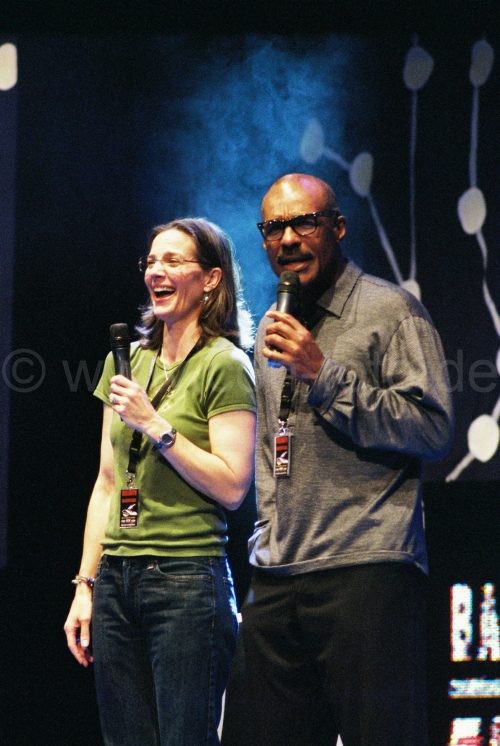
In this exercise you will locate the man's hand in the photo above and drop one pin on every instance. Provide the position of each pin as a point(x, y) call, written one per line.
point(294, 347)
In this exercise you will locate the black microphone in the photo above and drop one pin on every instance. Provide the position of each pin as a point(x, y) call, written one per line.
point(120, 346)
point(287, 297)
point(287, 300)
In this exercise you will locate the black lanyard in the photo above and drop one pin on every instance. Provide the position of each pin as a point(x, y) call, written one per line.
point(286, 399)
point(288, 389)
point(135, 444)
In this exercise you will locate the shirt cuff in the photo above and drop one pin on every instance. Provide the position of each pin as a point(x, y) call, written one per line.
point(324, 389)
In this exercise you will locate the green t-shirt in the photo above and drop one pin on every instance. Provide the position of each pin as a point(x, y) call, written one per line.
point(174, 518)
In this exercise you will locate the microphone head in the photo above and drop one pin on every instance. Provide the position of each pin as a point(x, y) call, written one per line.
point(119, 335)
point(287, 296)
point(289, 282)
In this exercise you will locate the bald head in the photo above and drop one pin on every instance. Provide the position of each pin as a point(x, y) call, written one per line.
point(289, 184)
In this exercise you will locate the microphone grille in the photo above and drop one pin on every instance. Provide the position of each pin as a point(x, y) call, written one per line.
point(289, 281)
point(119, 334)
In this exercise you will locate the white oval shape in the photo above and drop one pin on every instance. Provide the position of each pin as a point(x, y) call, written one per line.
point(483, 437)
point(413, 287)
point(417, 69)
point(313, 141)
point(361, 174)
point(482, 62)
point(472, 210)
point(8, 66)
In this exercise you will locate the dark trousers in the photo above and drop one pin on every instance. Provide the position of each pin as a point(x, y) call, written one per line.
point(338, 651)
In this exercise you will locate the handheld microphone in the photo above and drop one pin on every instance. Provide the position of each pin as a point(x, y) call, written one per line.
point(287, 296)
point(120, 346)
point(287, 299)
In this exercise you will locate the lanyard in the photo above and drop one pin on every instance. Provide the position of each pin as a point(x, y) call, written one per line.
point(283, 438)
point(282, 460)
point(135, 444)
point(288, 389)
point(286, 399)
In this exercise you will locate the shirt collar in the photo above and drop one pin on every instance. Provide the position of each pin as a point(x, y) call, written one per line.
point(335, 298)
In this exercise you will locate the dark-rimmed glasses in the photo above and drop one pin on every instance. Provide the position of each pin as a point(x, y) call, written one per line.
point(146, 263)
point(303, 225)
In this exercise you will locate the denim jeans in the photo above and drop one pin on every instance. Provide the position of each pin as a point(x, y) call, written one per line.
point(164, 632)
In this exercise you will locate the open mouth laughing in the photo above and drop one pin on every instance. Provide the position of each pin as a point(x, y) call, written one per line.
point(162, 292)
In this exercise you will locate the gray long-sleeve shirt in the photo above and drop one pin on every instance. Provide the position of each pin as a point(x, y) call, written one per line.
point(379, 406)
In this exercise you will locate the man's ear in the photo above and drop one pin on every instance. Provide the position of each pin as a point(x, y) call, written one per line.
point(341, 227)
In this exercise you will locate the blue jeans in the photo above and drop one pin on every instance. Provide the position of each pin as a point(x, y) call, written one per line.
point(164, 632)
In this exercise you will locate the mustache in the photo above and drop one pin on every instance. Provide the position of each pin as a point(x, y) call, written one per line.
point(283, 260)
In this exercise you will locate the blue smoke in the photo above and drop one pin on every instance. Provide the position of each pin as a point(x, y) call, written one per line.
point(229, 120)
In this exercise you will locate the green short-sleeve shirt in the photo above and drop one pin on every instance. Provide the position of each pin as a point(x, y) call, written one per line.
point(174, 518)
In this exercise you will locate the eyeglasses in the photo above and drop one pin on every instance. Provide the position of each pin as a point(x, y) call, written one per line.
point(303, 225)
point(146, 263)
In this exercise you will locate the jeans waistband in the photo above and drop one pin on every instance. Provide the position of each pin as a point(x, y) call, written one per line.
point(118, 560)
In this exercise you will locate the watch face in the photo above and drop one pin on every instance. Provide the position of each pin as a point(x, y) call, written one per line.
point(168, 438)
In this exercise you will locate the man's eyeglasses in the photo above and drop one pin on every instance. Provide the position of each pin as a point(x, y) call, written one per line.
point(303, 225)
point(146, 263)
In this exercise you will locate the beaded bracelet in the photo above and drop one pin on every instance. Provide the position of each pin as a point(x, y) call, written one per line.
point(79, 579)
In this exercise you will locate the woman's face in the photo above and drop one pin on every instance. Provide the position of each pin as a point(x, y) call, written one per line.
point(175, 280)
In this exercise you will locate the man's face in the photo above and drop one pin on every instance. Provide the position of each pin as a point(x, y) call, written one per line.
point(315, 257)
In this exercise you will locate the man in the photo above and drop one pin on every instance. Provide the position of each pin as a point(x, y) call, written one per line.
point(334, 623)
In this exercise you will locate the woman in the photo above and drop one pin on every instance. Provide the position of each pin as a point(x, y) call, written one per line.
point(163, 608)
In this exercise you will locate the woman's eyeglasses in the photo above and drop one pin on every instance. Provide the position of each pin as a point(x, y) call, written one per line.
point(146, 263)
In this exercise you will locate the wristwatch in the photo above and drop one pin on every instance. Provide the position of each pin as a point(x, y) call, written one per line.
point(166, 440)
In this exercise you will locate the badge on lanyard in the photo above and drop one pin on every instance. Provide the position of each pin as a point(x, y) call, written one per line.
point(283, 438)
point(129, 508)
point(282, 453)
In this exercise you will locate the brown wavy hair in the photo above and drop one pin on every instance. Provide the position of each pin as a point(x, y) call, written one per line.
point(225, 314)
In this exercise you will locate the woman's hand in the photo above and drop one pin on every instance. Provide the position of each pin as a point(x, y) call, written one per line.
point(77, 625)
point(131, 402)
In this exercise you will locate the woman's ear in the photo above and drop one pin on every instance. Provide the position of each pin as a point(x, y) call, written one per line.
point(213, 278)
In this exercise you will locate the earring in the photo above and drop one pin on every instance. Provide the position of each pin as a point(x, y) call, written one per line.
point(205, 298)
